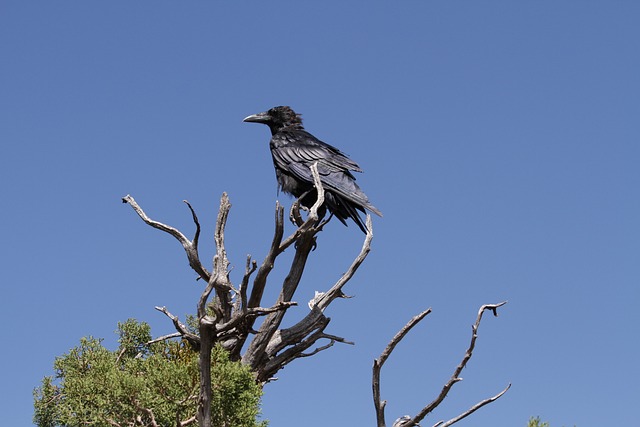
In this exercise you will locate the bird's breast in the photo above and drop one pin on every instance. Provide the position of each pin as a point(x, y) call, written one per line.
point(291, 185)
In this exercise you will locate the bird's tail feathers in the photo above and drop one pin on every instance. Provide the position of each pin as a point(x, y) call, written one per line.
point(343, 209)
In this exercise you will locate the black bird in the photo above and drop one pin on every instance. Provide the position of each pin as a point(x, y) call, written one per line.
point(294, 150)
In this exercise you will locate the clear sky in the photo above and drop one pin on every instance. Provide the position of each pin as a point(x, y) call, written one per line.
point(501, 140)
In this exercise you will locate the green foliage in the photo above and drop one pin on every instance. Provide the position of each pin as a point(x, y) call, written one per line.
point(535, 422)
point(140, 383)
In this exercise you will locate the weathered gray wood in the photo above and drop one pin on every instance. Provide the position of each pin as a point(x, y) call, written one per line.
point(227, 314)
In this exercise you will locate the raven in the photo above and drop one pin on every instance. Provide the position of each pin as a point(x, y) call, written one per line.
point(294, 150)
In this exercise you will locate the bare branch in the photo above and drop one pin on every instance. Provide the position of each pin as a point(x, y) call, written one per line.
point(336, 290)
point(193, 339)
point(152, 416)
point(313, 213)
point(196, 236)
point(312, 218)
point(254, 312)
point(124, 349)
point(255, 354)
point(242, 302)
point(337, 339)
point(474, 408)
point(456, 374)
point(221, 262)
point(164, 338)
point(294, 212)
point(189, 247)
point(406, 420)
point(333, 339)
point(260, 281)
point(298, 343)
point(204, 297)
point(147, 411)
point(400, 335)
point(399, 422)
point(379, 362)
point(295, 237)
point(186, 422)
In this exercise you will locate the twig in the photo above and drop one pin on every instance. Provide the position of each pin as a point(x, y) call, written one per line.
point(474, 408)
point(333, 339)
point(164, 338)
point(318, 349)
point(193, 339)
point(187, 422)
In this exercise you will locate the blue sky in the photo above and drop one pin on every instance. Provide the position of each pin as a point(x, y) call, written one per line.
point(500, 139)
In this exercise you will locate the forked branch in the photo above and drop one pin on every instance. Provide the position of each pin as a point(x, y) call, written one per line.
point(406, 420)
point(190, 247)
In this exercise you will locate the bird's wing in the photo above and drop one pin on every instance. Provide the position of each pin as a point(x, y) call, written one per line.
point(300, 146)
point(296, 151)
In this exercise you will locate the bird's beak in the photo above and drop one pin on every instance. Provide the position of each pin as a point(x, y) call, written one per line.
point(258, 118)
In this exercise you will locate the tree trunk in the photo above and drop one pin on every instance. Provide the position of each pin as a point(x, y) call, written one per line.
point(204, 364)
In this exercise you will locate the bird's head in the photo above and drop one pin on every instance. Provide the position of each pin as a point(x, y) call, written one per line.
point(277, 118)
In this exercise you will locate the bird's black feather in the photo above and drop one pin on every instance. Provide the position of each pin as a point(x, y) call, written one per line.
point(294, 150)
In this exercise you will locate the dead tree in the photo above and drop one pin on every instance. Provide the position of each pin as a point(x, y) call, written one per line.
point(227, 314)
point(407, 420)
